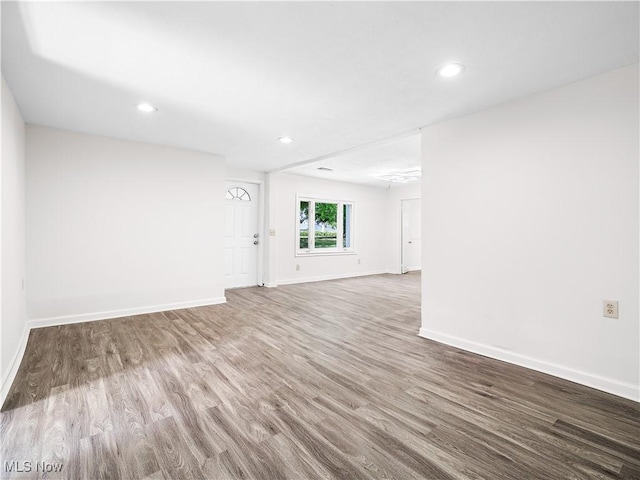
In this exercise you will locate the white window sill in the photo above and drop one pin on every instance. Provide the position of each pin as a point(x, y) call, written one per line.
point(323, 254)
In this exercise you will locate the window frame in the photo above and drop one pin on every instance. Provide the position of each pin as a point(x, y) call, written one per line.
point(311, 251)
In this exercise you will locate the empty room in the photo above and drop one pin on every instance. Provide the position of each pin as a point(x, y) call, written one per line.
point(300, 240)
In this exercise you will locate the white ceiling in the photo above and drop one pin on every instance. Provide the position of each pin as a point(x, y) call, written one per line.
point(230, 78)
point(367, 164)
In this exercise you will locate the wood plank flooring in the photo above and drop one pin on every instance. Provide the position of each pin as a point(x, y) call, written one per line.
point(321, 380)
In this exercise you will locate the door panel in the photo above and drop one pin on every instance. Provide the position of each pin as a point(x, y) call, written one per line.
point(229, 220)
point(240, 234)
point(411, 235)
point(228, 262)
point(245, 259)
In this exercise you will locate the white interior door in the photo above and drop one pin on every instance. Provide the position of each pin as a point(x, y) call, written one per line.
point(411, 235)
point(241, 235)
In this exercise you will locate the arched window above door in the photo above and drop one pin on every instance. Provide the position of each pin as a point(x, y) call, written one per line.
point(238, 193)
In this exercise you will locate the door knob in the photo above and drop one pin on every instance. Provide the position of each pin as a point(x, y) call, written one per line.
point(255, 235)
point(255, 242)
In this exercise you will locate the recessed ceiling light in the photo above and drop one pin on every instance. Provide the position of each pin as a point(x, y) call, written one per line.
point(285, 139)
point(146, 108)
point(450, 70)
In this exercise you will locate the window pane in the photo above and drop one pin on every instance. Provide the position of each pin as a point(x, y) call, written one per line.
point(238, 193)
point(325, 239)
point(326, 224)
point(346, 225)
point(304, 225)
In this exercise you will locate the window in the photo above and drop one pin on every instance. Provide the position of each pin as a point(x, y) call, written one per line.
point(238, 193)
point(324, 226)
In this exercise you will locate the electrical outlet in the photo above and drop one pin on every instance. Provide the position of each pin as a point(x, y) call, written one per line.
point(272, 232)
point(297, 267)
point(610, 308)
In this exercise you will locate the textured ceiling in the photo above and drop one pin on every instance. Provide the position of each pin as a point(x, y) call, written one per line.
point(230, 78)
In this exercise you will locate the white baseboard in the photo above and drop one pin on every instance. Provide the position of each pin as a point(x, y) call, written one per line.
point(10, 376)
point(398, 271)
point(321, 278)
point(88, 317)
point(621, 389)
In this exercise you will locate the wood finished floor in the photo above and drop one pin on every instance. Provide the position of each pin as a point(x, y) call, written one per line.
point(322, 380)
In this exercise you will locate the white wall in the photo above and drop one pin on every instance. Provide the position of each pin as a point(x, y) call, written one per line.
point(395, 196)
point(530, 220)
point(13, 328)
point(115, 227)
point(251, 176)
point(370, 234)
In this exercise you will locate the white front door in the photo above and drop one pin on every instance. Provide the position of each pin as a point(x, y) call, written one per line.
point(411, 234)
point(241, 235)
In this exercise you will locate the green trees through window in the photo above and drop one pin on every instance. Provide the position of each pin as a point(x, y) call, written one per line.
point(330, 230)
